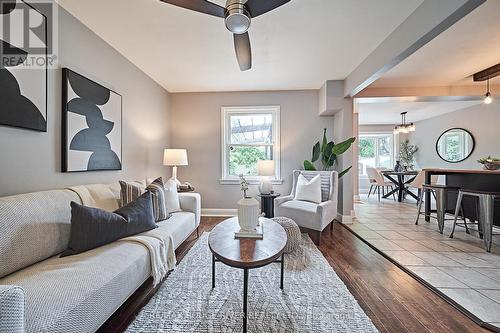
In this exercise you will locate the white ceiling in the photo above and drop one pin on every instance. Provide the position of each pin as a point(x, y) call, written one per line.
point(297, 46)
point(469, 46)
point(389, 112)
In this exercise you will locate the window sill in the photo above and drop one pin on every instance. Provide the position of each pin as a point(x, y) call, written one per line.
point(235, 181)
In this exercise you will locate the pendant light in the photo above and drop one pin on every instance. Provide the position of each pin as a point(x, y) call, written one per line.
point(404, 127)
point(487, 97)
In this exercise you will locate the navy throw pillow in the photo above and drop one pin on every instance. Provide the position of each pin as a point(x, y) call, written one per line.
point(93, 227)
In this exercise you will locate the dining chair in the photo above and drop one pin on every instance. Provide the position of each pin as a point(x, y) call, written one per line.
point(377, 181)
point(418, 182)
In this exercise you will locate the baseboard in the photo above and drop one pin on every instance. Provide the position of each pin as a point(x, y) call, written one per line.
point(345, 219)
point(218, 212)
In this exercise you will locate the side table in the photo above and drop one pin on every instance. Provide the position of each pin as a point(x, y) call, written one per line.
point(267, 203)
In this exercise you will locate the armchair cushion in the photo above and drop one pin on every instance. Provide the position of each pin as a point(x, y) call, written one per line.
point(302, 211)
point(306, 206)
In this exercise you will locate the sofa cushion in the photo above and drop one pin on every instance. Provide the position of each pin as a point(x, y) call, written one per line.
point(93, 227)
point(180, 225)
point(11, 309)
point(79, 293)
point(37, 223)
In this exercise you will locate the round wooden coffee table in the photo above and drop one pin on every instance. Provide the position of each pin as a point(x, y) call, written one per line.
point(247, 253)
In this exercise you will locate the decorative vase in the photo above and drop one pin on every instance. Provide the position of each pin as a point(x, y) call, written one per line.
point(398, 167)
point(248, 213)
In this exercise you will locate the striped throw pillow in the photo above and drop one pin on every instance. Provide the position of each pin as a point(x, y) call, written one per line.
point(129, 192)
point(159, 200)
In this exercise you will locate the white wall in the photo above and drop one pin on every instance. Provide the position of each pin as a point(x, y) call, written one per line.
point(196, 119)
point(31, 161)
point(482, 121)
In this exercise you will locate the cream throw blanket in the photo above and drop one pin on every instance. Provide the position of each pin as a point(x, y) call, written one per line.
point(160, 245)
point(158, 242)
point(96, 196)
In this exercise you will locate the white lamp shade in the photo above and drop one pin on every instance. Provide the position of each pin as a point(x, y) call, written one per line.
point(175, 157)
point(265, 167)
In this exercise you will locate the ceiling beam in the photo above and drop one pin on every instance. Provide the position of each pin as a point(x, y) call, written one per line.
point(488, 73)
point(429, 20)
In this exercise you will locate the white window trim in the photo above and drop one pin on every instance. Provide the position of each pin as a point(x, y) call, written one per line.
point(253, 180)
point(395, 146)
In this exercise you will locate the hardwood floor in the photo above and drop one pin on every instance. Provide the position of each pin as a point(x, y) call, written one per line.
point(393, 300)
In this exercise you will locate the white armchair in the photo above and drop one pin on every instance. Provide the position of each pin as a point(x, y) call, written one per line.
point(311, 217)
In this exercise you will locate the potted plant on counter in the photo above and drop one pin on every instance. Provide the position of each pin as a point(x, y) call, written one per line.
point(490, 163)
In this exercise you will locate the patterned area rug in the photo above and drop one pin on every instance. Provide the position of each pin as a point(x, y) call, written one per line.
point(314, 298)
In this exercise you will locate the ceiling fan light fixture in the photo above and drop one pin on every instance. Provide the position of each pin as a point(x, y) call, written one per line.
point(237, 17)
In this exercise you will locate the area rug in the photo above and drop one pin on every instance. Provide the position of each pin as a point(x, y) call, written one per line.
point(314, 298)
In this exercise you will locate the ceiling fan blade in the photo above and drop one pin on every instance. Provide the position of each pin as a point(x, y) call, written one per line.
point(243, 51)
point(259, 7)
point(202, 6)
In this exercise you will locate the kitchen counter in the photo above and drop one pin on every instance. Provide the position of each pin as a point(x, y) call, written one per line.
point(473, 179)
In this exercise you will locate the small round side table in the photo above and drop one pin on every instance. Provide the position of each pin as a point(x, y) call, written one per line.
point(267, 203)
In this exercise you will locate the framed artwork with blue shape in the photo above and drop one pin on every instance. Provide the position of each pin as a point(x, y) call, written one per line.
point(23, 66)
point(92, 125)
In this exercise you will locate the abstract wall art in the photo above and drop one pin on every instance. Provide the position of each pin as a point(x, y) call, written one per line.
point(23, 66)
point(92, 125)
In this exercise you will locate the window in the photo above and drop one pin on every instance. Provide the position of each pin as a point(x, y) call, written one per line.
point(375, 151)
point(249, 134)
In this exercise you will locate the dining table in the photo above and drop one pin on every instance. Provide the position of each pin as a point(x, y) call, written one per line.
point(400, 180)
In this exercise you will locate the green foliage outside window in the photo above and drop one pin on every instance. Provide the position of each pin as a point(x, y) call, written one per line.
point(366, 148)
point(243, 160)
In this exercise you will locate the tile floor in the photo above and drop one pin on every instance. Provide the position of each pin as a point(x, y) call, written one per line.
point(459, 267)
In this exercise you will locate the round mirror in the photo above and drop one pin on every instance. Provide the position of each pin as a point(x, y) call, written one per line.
point(455, 145)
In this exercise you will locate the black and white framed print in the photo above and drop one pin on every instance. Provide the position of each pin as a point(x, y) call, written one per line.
point(92, 125)
point(23, 66)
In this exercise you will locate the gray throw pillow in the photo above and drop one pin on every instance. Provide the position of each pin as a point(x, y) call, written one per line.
point(93, 227)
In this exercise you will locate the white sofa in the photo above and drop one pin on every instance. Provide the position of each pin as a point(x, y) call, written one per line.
point(40, 292)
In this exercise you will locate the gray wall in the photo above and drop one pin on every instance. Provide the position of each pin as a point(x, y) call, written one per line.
point(31, 161)
point(196, 119)
point(481, 120)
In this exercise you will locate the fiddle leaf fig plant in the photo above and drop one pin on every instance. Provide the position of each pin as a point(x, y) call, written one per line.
point(327, 153)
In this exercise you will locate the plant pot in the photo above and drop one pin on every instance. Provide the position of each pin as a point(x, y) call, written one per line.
point(491, 165)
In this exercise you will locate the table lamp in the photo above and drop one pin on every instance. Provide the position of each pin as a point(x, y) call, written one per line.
point(265, 169)
point(175, 158)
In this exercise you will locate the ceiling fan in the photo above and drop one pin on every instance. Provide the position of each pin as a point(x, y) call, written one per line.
point(237, 15)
